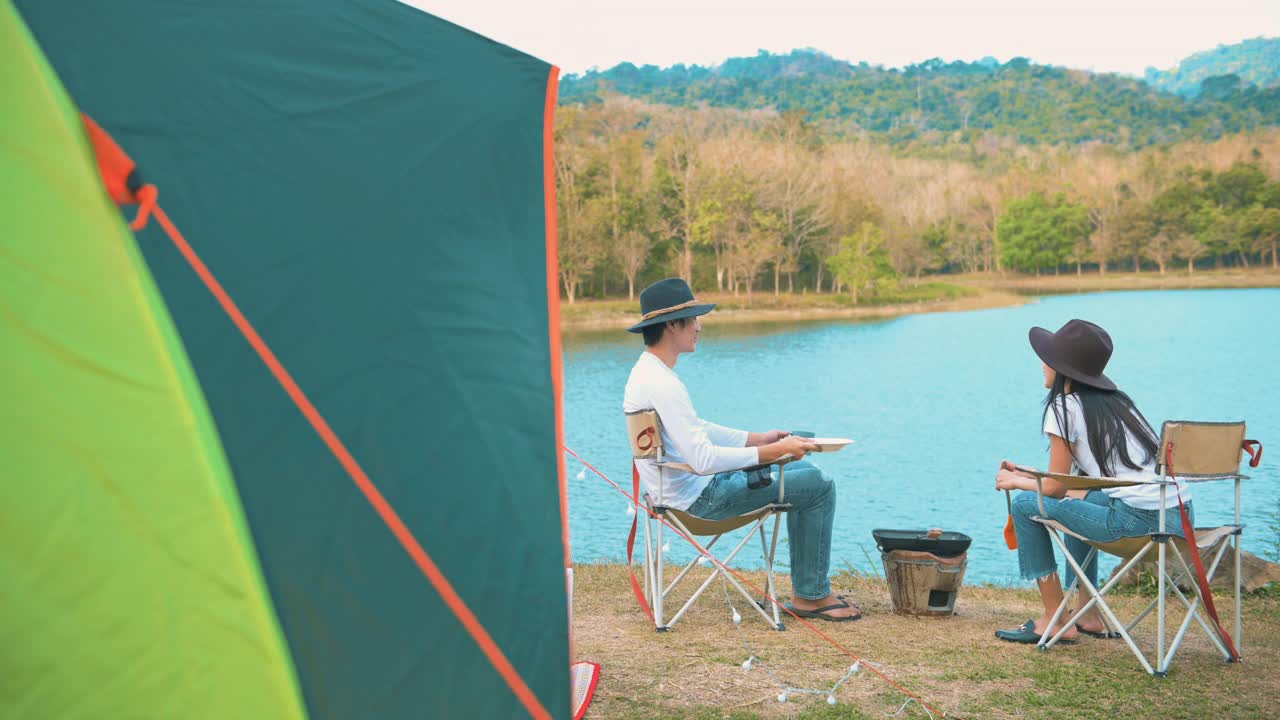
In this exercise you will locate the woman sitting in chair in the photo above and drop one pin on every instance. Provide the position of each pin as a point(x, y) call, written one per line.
point(1094, 430)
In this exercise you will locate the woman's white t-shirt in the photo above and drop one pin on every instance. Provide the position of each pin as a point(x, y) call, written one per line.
point(1143, 497)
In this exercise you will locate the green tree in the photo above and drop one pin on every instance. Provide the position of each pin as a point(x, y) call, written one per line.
point(862, 261)
point(1262, 225)
point(1037, 232)
point(1185, 215)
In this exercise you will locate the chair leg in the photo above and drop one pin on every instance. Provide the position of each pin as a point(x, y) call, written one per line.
point(1095, 594)
point(648, 557)
point(657, 582)
point(1047, 641)
point(685, 570)
point(1193, 612)
point(1235, 543)
point(1162, 603)
point(1106, 589)
point(743, 591)
point(717, 571)
point(773, 586)
point(770, 591)
point(1237, 581)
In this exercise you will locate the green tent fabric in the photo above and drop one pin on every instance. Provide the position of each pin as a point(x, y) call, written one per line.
point(368, 183)
point(123, 588)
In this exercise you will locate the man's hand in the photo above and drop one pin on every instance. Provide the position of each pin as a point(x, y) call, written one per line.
point(788, 445)
point(774, 436)
point(765, 438)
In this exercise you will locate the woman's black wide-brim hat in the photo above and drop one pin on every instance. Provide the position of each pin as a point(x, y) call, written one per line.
point(1080, 350)
point(669, 299)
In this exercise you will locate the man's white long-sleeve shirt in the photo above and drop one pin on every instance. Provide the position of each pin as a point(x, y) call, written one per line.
point(706, 447)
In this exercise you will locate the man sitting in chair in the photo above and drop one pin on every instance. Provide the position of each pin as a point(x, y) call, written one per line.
point(670, 327)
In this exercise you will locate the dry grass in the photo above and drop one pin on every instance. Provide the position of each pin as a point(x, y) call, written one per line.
point(694, 671)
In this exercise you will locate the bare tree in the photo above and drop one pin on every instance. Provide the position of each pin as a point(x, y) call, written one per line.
point(579, 251)
point(1187, 247)
point(792, 189)
point(1159, 250)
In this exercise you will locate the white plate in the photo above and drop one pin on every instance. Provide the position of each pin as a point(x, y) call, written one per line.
point(830, 444)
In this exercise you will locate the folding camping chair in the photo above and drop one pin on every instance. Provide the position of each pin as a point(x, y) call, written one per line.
point(645, 429)
point(1195, 452)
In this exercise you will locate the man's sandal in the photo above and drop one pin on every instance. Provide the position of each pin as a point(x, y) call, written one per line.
point(821, 613)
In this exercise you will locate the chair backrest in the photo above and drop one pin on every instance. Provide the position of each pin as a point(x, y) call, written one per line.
point(645, 431)
point(1202, 449)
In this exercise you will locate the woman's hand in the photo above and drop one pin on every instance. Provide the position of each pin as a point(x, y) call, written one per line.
point(1012, 467)
point(1009, 480)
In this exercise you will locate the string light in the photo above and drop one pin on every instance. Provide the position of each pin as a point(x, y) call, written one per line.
point(787, 690)
point(830, 695)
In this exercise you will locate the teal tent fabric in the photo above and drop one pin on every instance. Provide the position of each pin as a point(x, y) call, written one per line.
point(366, 181)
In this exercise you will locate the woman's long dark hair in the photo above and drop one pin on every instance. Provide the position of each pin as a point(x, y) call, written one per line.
point(1107, 416)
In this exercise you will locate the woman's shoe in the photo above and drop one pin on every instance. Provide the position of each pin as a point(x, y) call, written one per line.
point(1027, 635)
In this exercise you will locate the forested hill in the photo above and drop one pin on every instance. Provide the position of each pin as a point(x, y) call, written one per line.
point(936, 102)
point(1252, 62)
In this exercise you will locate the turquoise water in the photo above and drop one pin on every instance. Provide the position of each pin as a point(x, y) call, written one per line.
point(935, 402)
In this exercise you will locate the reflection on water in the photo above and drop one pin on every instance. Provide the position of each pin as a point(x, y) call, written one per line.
point(935, 401)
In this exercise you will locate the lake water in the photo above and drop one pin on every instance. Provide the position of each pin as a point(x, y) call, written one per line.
point(934, 402)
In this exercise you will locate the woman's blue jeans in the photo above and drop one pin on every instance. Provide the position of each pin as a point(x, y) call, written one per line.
point(812, 497)
point(1097, 517)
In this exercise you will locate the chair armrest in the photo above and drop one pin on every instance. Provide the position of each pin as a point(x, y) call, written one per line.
point(780, 461)
point(685, 467)
point(1085, 482)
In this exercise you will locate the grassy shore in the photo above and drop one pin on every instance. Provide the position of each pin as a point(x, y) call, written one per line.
point(952, 663)
point(955, 292)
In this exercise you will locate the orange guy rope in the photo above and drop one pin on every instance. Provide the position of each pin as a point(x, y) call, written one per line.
point(118, 172)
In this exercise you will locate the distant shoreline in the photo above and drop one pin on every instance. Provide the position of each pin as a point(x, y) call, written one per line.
point(973, 292)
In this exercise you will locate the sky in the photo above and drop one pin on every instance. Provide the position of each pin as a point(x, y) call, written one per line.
point(1124, 36)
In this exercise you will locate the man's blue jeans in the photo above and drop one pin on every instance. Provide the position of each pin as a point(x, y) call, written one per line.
point(812, 497)
point(1097, 516)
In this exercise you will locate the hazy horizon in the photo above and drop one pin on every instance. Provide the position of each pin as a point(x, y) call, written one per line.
point(858, 61)
point(1117, 36)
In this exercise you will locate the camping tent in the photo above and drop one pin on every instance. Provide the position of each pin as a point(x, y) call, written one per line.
point(369, 184)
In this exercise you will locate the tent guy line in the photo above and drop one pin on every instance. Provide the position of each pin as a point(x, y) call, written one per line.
point(117, 172)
